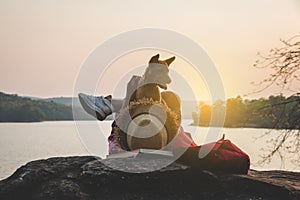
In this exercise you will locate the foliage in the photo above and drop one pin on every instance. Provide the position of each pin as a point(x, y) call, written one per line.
point(285, 65)
point(253, 113)
point(283, 112)
point(19, 109)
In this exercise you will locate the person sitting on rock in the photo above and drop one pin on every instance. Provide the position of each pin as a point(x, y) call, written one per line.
point(100, 107)
point(221, 156)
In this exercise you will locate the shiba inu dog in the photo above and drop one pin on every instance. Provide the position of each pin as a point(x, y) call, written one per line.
point(151, 124)
point(156, 76)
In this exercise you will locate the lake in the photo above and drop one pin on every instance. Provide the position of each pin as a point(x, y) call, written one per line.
point(24, 142)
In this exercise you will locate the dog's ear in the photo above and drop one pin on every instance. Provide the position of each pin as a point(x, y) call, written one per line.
point(154, 59)
point(170, 60)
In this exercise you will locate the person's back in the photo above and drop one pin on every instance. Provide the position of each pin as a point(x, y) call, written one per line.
point(135, 92)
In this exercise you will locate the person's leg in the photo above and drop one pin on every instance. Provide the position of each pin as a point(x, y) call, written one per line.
point(98, 106)
point(117, 104)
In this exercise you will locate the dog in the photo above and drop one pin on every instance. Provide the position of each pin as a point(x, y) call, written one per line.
point(155, 76)
point(149, 126)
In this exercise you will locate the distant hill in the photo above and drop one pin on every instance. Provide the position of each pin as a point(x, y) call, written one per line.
point(21, 109)
point(63, 100)
point(14, 108)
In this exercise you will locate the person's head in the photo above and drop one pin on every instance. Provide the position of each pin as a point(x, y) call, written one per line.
point(148, 124)
point(146, 132)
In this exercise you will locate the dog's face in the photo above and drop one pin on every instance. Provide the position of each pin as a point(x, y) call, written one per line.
point(158, 71)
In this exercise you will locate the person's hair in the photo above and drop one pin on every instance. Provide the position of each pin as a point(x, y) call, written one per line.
point(173, 102)
point(138, 109)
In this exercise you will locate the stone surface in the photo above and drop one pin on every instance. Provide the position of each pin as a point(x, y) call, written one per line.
point(88, 178)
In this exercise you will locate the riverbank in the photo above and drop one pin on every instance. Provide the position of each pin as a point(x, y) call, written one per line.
point(87, 178)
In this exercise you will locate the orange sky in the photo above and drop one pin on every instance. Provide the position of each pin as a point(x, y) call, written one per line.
point(44, 43)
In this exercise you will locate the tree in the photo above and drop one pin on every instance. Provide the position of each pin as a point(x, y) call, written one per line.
point(218, 113)
point(285, 65)
point(235, 112)
point(204, 114)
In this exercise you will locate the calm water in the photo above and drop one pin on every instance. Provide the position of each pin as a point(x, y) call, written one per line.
point(24, 142)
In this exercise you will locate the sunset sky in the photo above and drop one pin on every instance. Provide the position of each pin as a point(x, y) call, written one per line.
point(44, 43)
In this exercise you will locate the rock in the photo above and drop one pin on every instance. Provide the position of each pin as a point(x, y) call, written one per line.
point(89, 178)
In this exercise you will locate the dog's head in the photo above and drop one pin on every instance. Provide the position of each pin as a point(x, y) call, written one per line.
point(158, 71)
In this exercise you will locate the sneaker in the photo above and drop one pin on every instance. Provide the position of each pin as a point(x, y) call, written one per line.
point(99, 107)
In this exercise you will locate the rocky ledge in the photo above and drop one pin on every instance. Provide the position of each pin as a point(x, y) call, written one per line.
point(88, 178)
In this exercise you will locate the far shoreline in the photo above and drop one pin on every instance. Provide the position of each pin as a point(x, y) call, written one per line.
point(191, 124)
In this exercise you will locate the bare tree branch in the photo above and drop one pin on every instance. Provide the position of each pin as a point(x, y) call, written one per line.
point(285, 65)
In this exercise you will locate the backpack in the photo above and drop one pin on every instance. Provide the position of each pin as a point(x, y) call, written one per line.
point(222, 157)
